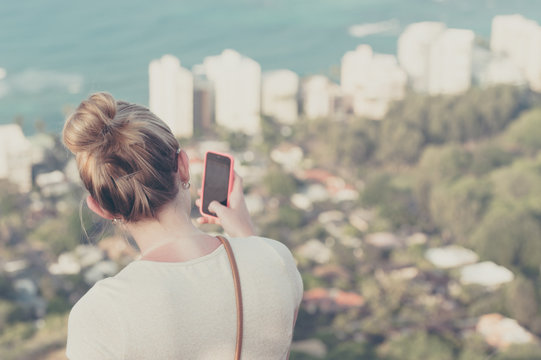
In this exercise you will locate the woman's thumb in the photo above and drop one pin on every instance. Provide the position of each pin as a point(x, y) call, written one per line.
point(216, 208)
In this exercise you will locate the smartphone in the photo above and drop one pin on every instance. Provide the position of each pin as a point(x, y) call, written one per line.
point(217, 180)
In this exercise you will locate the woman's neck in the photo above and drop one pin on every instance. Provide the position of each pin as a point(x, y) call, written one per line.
point(171, 237)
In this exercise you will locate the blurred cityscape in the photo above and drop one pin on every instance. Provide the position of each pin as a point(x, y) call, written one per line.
point(408, 193)
point(230, 90)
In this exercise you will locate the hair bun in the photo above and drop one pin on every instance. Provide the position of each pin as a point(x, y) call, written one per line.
point(89, 126)
point(103, 106)
point(127, 157)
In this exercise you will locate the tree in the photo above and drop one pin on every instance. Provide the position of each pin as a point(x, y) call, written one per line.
point(395, 203)
point(509, 236)
point(351, 350)
point(399, 142)
point(489, 157)
point(458, 207)
point(279, 183)
point(238, 141)
point(60, 234)
point(356, 143)
point(521, 301)
point(521, 352)
point(525, 133)
point(474, 347)
point(444, 163)
point(473, 115)
point(270, 130)
point(418, 345)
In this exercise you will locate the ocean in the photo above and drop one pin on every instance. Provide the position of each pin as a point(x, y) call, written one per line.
point(56, 52)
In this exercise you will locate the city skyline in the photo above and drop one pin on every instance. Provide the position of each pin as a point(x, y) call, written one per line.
point(431, 59)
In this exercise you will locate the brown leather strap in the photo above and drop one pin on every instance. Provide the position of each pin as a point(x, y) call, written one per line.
point(238, 293)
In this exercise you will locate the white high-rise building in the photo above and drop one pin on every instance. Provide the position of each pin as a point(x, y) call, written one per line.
point(371, 81)
point(279, 96)
point(519, 39)
point(237, 91)
point(15, 157)
point(355, 68)
point(414, 46)
point(451, 62)
point(491, 69)
point(318, 97)
point(533, 67)
point(171, 90)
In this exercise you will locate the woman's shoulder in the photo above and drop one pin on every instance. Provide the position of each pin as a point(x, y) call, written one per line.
point(258, 247)
point(98, 296)
point(105, 294)
point(260, 244)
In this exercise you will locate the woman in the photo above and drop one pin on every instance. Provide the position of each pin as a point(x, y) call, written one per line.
point(178, 300)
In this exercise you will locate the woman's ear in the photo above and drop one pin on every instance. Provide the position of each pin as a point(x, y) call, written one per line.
point(183, 166)
point(95, 207)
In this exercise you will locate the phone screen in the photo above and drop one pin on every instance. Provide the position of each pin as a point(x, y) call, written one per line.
point(216, 185)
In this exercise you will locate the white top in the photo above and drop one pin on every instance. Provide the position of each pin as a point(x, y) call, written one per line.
point(187, 310)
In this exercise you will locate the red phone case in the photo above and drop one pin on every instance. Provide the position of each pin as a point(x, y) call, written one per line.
point(229, 186)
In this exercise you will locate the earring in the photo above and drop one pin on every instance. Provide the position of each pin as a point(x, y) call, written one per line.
point(116, 221)
point(186, 185)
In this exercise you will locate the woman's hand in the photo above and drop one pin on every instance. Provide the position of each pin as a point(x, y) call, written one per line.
point(235, 219)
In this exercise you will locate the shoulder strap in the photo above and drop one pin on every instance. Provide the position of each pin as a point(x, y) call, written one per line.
point(238, 293)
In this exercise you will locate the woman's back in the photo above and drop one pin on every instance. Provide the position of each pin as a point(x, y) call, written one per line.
point(138, 177)
point(163, 310)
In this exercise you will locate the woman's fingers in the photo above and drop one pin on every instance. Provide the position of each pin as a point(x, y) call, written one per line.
point(208, 220)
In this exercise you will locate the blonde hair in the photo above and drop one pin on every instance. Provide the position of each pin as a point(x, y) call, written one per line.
point(126, 155)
